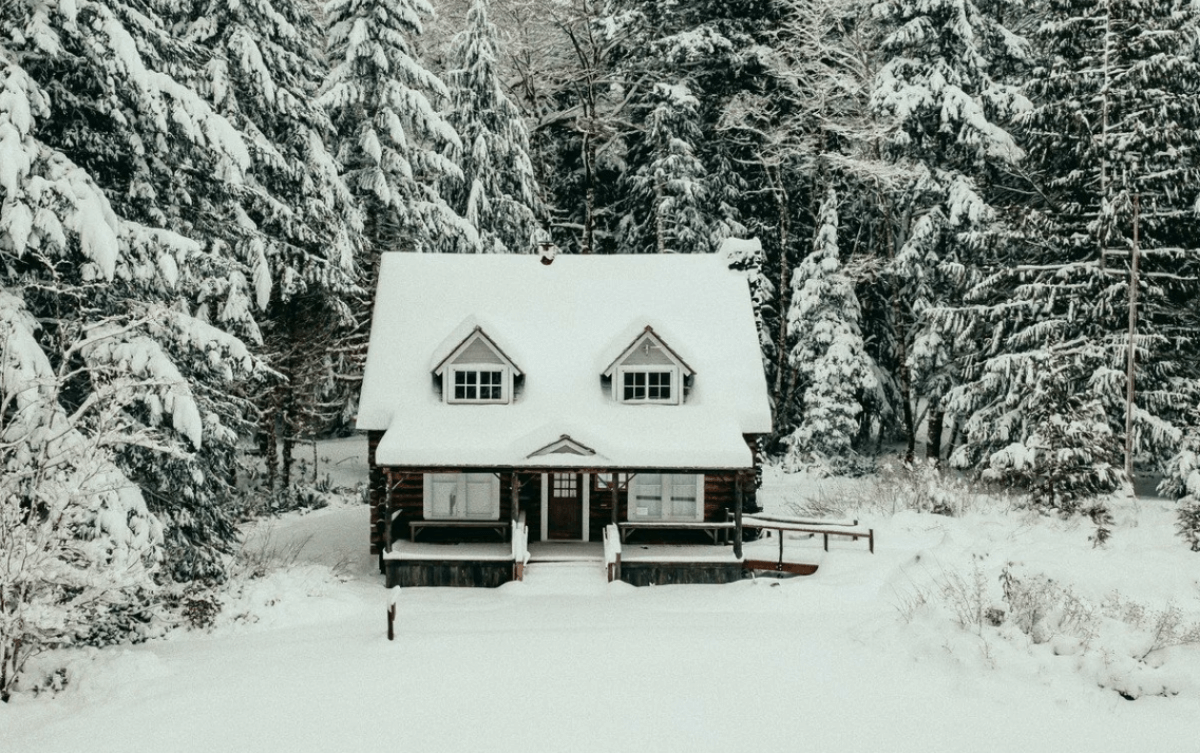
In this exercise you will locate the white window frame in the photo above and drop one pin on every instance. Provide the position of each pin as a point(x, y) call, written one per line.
point(676, 384)
point(461, 493)
point(505, 383)
point(669, 481)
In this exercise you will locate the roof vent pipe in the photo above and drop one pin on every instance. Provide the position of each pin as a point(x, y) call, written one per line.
point(548, 251)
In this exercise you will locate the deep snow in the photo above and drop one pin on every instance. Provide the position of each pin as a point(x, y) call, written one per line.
point(844, 660)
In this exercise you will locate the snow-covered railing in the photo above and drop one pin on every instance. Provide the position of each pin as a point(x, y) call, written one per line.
point(520, 547)
point(824, 527)
point(612, 552)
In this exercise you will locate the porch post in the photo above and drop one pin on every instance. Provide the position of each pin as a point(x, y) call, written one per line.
point(737, 515)
point(387, 513)
point(516, 495)
point(612, 479)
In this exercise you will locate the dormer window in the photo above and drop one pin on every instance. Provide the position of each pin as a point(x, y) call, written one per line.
point(474, 384)
point(648, 385)
point(648, 372)
point(476, 370)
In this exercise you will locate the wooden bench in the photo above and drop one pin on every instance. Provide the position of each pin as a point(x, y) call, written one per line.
point(713, 528)
point(499, 526)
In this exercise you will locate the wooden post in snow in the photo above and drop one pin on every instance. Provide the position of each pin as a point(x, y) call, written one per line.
point(737, 515)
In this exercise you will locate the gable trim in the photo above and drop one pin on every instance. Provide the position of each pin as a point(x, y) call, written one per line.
point(648, 334)
point(563, 445)
point(476, 334)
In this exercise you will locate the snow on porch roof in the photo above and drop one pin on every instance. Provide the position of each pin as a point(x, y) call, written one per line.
point(559, 320)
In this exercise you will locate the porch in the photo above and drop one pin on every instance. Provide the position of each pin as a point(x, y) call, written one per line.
point(491, 564)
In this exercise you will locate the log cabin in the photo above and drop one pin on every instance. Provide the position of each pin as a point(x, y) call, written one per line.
point(560, 400)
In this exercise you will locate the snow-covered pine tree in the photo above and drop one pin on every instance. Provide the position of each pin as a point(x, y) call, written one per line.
point(1093, 148)
point(946, 107)
point(394, 142)
point(666, 206)
point(681, 65)
point(1060, 446)
point(77, 193)
point(498, 192)
point(746, 255)
point(300, 230)
point(828, 355)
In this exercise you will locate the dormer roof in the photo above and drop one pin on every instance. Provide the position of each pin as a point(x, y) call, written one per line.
point(475, 346)
point(648, 348)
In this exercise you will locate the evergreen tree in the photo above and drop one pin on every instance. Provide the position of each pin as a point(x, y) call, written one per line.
point(394, 141)
point(828, 354)
point(667, 207)
point(945, 107)
point(1061, 448)
point(1115, 126)
point(498, 193)
point(300, 229)
point(103, 146)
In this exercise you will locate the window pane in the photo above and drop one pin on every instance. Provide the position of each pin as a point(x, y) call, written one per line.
point(647, 496)
point(683, 496)
point(489, 385)
point(635, 385)
point(659, 385)
point(443, 493)
point(480, 503)
point(564, 485)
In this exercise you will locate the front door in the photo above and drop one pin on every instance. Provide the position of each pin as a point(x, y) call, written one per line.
point(564, 507)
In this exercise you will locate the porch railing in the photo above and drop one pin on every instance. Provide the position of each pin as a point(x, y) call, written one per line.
point(612, 552)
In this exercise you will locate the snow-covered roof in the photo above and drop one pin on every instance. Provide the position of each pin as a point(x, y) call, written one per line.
point(562, 322)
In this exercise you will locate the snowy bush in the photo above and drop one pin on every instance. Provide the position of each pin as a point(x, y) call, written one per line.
point(923, 486)
point(1120, 643)
point(80, 546)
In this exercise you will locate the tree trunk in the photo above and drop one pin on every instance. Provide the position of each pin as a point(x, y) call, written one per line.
point(589, 208)
point(271, 447)
point(933, 428)
point(781, 199)
point(955, 433)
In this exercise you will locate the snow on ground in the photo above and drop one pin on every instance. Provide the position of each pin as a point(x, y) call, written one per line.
point(867, 654)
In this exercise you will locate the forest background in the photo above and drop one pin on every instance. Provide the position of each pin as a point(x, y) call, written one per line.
point(976, 220)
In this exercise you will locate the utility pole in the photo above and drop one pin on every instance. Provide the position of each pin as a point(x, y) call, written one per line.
point(1129, 363)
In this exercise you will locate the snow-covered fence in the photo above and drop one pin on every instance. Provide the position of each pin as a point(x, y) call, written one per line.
point(612, 552)
point(520, 547)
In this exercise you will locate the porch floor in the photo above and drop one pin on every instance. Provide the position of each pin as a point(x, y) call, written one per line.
point(403, 549)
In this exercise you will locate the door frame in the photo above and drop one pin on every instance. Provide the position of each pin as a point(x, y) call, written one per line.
point(585, 487)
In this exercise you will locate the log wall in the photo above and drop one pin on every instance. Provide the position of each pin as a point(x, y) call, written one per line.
point(670, 573)
point(441, 573)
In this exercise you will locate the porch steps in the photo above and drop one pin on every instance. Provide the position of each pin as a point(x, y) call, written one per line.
point(566, 577)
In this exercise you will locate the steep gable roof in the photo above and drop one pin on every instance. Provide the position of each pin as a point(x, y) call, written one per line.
point(564, 323)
